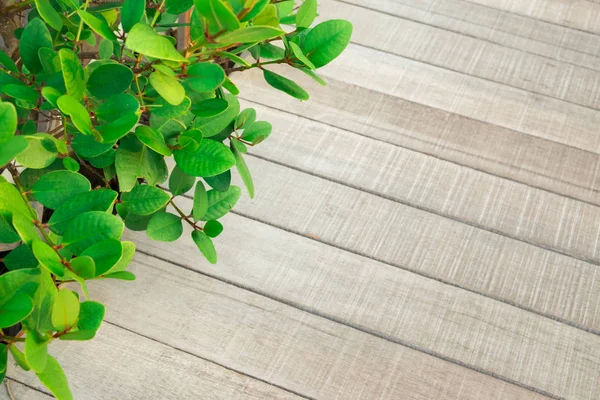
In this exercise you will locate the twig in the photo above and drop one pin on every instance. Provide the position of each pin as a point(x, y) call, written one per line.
point(10, 393)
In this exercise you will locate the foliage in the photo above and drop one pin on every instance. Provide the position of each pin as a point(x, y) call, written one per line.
point(94, 101)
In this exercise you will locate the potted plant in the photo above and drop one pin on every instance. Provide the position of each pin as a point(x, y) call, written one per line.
point(94, 98)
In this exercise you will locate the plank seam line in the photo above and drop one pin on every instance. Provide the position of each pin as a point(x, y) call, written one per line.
point(29, 386)
point(479, 77)
point(360, 328)
point(461, 152)
point(554, 318)
point(207, 359)
point(430, 211)
point(390, 14)
point(532, 18)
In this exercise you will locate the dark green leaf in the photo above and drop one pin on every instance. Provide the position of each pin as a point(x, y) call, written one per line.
point(180, 182)
point(132, 13)
point(219, 182)
point(116, 106)
point(205, 77)
point(212, 126)
point(177, 7)
point(118, 128)
point(50, 15)
point(11, 149)
point(21, 92)
point(7, 62)
point(145, 199)
point(285, 85)
point(213, 228)
point(243, 170)
point(109, 79)
point(164, 227)
point(105, 254)
point(84, 267)
point(35, 36)
point(15, 309)
point(200, 206)
point(88, 147)
point(209, 159)
point(54, 188)
point(20, 258)
point(210, 108)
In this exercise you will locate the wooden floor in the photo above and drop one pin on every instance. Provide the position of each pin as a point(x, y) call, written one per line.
point(425, 227)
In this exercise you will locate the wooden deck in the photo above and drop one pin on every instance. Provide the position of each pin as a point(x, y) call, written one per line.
point(425, 227)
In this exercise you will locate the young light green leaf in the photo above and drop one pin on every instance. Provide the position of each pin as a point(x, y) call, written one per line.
point(220, 203)
point(243, 170)
point(205, 245)
point(168, 87)
point(99, 26)
point(49, 14)
point(78, 113)
point(128, 253)
point(8, 122)
point(145, 199)
point(132, 13)
point(209, 159)
point(164, 227)
point(35, 36)
point(205, 77)
point(250, 34)
point(11, 149)
point(15, 309)
point(180, 182)
point(257, 132)
point(246, 118)
point(121, 275)
point(84, 267)
point(109, 79)
point(306, 14)
point(36, 352)
point(48, 257)
point(70, 164)
point(134, 160)
point(152, 139)
point(144, 40)
point(55, 188)
point(213, 228)
point(217, 14)
point(326, 41)
point(256, 7)
point(200, 206)
point(53, 377)
point(39, 152)
point(300, 55)
point(285, 85)
point(89, 228)
point(19, 358)
point(73, 74)
point(190, 139)
point(65, 310)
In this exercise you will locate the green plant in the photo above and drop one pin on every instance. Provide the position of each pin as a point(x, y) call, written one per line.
point(90, 110)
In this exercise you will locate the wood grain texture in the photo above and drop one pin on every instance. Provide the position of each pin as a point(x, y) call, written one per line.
point(398, 305)
point(283, 345)
point(118, 364)
point(507, 29)
point(578, 14)
point(468, 55)
point(21, 392)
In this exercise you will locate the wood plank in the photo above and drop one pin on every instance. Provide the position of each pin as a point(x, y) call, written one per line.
point(468, 55)
point(118, 364)
point(464, 194)
point(577, 14)
point(497, 26)
point(417, 106)
point(281, 344)
point(481, 261)
point(21, 392)
point(394, 304)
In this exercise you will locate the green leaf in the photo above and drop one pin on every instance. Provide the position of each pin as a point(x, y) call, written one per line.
point(12, 148)
point(180, 182)
point(132, 221)
point(79, 115)
point(105, 49)
point(99, 26)
point(144, 40)
point(73, 74)
point(209, 159)
point(243, 170)
point(21, 92)
point(49, 14)
point(7, 233)
point(88, 147)
point(134, 160)
point(314, 76)
point(169, 111)
point(109, 79)
point(36, 352)
point(326, 41)
point(210, 108)
point(11, 202)
point(213, 228)
point(250, 34)
point(7, 62)
point(212, 126)
point(15, 310)
point(152, 139)
point(118, 128)
point(51, 95)
point(246, 118)
point(285, 85)
point(8, 123)
point(48, 258)
point(205, 77)
point(53, 377)
point(306, 14)
point(235, 58)
point(90, 316)
point(219, 182)
point(65, 310)
point(205, 245)
point(128, 253)
point(168, 87)
point(116, 106)
point(257, 7)
point(71, 164)
point(56, 187)
point(177, 7)
point(190, 139)
point(35, 36)
point(122, 275)
point(19, 358)
point(132, 13)
point(89, 228)
point(37, 154)
point(84, 266)
point(257, 132)
point(200, 206)
point(220, 203)
point(297, 51)
point(145, 199)
point(20, 258)
point(105, 254)
point(24, 226)
point(164, 227)
point(219, 17)
point(43, 299)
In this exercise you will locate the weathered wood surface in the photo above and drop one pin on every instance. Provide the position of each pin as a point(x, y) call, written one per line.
point(425, 227)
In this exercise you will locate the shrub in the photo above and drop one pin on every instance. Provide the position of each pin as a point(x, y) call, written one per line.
point(95, 98)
